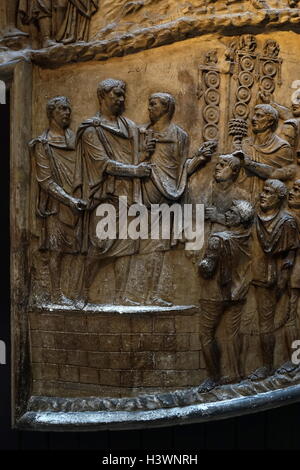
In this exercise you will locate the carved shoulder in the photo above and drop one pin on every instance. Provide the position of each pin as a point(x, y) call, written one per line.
point(41, 139)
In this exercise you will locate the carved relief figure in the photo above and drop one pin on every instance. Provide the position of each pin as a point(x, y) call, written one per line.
point(291, 126)
point(294, 206)
point(108, 167)
point(171, 167)
point(40, 13)
point(223, 190)
point(11, 31)
point(266, 154)
point(247, 43)
point(290, 133)
point(167, 181)
point(76, 23)
point(292, 326)
point(54, 160)
point(271, 48)
point(275, 243)
point(170, 160)
point(226, 270)
point(59, 20)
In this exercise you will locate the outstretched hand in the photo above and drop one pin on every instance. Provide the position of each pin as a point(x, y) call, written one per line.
point(143, 170)
point(206, 150)
point(78, 204)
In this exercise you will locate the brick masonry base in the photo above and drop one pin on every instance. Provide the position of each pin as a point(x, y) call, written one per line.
point(114, 355)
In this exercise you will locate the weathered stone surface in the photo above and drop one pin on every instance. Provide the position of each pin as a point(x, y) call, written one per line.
point(125, 325)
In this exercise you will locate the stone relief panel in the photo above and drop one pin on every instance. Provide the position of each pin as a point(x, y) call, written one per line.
point(216, 115)
point(121, 316)
point(47, 22)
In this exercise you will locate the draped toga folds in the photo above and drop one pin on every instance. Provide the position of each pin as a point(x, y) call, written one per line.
point(273, 239)
point(276, 152)
point(98, 144)
point(168, 179)
point(54, 163)
point(34, 10)
point(76, 24)
point(295, 276)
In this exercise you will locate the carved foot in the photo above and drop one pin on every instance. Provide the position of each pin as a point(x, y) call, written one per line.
point(60, 299)
point(127, 301)
point(286, 368)
point(207, 385)
point(68, 41)
point(157, 301)
point(260, 374)
point(122, 299)
point(40, 301)
point(49, 43)
point(80, 303)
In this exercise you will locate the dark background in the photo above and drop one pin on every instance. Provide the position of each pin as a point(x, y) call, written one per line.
point(277, 429)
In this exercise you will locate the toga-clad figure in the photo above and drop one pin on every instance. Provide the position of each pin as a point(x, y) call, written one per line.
point(64, 21)
point(266, 154)
point(291, 126)
point(170, 169)
point(292, 327)
point(53, 155)
point(76, 23)
point(108, 168)
point(275, 243)
point(40, 13)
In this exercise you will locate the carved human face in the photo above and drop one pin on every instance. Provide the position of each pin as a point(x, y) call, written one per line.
point(269, 198)
point(261, 121)
point(289, 134)
point(296, 104)
point(294, 195)
point(223, 171)
point(156, 109)
point(61, 115)
point(114, 101)
point(232, 217)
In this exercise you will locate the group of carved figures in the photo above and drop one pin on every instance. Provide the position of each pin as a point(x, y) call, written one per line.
point(64, 21)
point(250, 266)
point(110, 159)
point(251, 263)
point(68, 21)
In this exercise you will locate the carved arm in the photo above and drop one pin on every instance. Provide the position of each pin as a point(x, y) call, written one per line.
point(285, 272)
point(56, 191)
point(202, 156)
point(131, 171)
